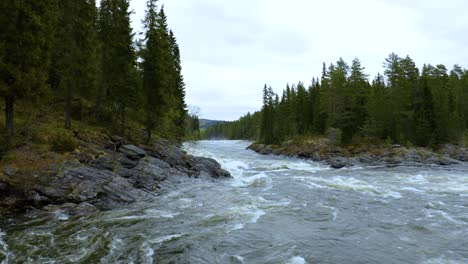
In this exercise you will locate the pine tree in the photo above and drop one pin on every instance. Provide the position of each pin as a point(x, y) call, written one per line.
point(25, 35)
point(268, 116)
point(74, 73)
point(358, 86)
point(180, 108)
point(161, 86)
point(379, 116)
point(339, 98)
point(118, 82)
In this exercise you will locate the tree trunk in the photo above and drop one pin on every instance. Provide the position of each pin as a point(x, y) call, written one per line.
point(68, 107)
point(122, 120)
point(9, 110)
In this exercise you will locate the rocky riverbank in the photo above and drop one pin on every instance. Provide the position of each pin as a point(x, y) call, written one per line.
point(339, 157)
point(98, 175)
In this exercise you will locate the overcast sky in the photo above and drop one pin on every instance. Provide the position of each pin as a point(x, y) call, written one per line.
point(230, 49)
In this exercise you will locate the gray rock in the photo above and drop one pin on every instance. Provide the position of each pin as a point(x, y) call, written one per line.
point(392, 160)
point(88, 184)
point(206, 167)
point(367, 159)
point(106, 162)
point(149, 173)
point(109, 180)
point(126, 173)
point(132, 152)
point(446, 161)
point(338, 162)
point(168, 152)
point(413, 156)
point(126, 162)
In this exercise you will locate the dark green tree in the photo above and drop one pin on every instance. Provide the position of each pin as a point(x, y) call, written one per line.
point(75, 65)
point(25, 36)
point(118, 87)
point(180, 108)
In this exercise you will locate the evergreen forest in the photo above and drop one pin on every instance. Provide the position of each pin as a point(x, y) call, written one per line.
point(66, 64)
point(409, 106)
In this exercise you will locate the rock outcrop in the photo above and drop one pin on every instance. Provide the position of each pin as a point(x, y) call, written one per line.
point(98, 179)
point(338, 157)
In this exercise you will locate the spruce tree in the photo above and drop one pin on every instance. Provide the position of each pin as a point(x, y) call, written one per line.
point(156, 71)
point(25, 36)
point(118, 81)
point(74, 73)
point(180, 108)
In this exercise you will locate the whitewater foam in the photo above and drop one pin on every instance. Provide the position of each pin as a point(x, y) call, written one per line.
point(61, 215)
point(443, 261)
point(149, 214)
point(163, 239)
point(4, 248)
point(297, 260)
point(256, 180)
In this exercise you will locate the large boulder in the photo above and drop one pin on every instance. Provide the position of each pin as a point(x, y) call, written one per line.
point(206, 167)
point(89, 184)
point(150, 172)
point(186, 164)
point(172, 154)
point(132, 152)
point(338, 162)
point(446, 161)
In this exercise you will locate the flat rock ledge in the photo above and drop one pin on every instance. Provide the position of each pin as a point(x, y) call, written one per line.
point(395, 155)
point(96, 178)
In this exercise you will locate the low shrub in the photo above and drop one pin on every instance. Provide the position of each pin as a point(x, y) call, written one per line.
point(63, 141)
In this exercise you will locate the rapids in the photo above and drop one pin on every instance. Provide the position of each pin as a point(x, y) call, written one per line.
point(274, 210)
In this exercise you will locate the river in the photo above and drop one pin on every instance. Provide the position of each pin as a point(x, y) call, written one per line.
point(274, 210)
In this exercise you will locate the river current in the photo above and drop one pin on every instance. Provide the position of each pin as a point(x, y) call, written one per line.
point(274, 210)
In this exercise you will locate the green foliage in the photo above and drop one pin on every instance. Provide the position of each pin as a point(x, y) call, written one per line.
point(247, 127)
point(335, 136)
point(70, 57)
point(119, 86)
point(25, 38)
point(192, 128)
point(162, 80)
point(74, 70)
point(8, 157)
point(405, 107)
point(63, 141)
point(388, 142)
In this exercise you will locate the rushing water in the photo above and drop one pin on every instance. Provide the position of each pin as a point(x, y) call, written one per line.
point(274, 210)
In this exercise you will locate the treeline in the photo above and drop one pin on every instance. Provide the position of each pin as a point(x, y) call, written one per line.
point(72, 57)
point(247, 127)
point(405, 105)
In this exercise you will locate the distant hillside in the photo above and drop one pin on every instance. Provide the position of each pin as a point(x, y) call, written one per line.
point(206, 123)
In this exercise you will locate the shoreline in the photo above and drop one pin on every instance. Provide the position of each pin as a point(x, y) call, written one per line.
point(372, 155)
point(99, 175)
